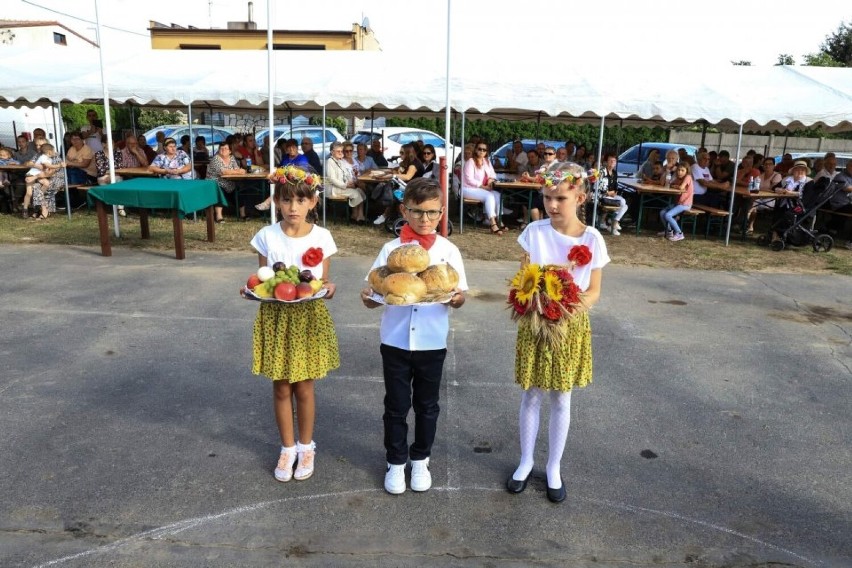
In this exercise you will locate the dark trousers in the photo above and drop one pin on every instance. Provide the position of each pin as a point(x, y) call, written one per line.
point(837, 222)
point(412, 378)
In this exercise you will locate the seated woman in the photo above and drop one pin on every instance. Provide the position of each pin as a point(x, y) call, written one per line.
point(409, 168)
point(646, 170)
point(102, 165)
point(364, 159)
point(249, 150)
point(792, 185)
point(173, 163)
point(44, 196)
point(220, 167)
point(769, 180)
point(478, 179)
point(340, 178)
point(431, 167)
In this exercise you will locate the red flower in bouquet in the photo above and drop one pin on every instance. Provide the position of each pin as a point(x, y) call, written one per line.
point(552, 311)
point(312, 257)
point(580, 255)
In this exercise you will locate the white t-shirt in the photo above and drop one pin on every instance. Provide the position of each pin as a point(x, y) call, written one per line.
point(420, 328)
point(43, 159)
point(545, 245)
point(272, 243)
point(700, 173)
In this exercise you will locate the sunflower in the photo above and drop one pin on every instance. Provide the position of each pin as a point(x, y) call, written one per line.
point(552, 285)
point(526, 282)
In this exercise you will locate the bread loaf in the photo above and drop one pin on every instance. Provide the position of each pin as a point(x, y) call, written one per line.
point(408, 258)
point(440, 279)
point(402, 288)
point(376, 278)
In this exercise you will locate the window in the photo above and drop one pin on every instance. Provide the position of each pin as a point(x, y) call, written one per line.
point(59, 39)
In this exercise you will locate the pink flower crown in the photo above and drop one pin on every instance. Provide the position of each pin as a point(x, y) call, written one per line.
point(294, 175)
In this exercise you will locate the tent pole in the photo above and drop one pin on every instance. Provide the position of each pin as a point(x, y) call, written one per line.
point(445, 169)
point(323, 163)
point(595, 189)
point(270, 80)
point(61, 136)
point(461, 179)
point(734, 186)
point(132, 118)
point(538, 128)
point(703, 132)
point(191, 152)
point(786, 136)
point(110, 157)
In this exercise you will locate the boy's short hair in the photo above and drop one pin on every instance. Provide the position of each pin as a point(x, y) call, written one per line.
point(422, 189)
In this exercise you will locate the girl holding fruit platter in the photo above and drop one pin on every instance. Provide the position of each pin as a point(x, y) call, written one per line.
point(559, 280)
point(294, 343)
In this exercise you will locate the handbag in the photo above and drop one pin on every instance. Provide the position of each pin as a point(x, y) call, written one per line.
point(610, 202)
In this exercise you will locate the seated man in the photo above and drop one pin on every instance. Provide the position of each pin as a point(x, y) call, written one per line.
point(312, 156)
point(829, 167)
point(376, 153)
point(656, 177)
point(706, 188)
point(562, 154)
point(785, 164)
point(132, 155)
point(517, 158)
point(80, 160)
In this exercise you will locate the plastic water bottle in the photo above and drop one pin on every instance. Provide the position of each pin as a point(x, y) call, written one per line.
point(669, 179)
point(753, 187)
point(248, 165)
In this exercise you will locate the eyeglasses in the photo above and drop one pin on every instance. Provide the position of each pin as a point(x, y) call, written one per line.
point(427, 153)
point(431, 214)
point(347, 151)
point(550, 153)
point(482, 149)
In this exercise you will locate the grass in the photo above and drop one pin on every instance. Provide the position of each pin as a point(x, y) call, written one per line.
point(476, 243)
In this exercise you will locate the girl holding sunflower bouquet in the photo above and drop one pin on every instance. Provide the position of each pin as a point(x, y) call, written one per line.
point(559, 280)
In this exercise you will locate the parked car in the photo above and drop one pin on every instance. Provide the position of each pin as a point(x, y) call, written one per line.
point(396, 136)
point(219, 133)
point(842, 158)
point(314, 132)
point(501, 153)
point(151, 135)
point(630, 160)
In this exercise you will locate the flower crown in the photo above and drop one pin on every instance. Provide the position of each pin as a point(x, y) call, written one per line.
point(572, 175)
point(294, 176)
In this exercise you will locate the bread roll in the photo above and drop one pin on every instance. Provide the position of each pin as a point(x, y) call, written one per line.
point(440, 278)
point(403, 288)
point(408, 258)
point(376, 278)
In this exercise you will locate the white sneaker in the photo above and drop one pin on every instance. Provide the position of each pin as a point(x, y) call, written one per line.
point(849, 245)
point(286, 461)
point(507, 211)
point(421, 479)
point(379, 220)
point(395, 479)
point(615, 232)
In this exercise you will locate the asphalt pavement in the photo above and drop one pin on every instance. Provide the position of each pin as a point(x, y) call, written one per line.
point(132, 433)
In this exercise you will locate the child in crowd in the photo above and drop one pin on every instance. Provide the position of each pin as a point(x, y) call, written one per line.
point(683, 182)
point(38, 180)
point(6, 159)
point(541, 369)
point(414, 343)
point(656, 177)
point(295, 344)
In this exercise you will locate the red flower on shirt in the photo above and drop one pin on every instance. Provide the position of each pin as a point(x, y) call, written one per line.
point(312, 257)
point(580, 255)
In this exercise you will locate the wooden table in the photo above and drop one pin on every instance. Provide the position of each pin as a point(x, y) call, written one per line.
point(650, 196)
point(755, 197)
point(182, 196)
point(508, 188)
point(135, 172)
point(258, 180)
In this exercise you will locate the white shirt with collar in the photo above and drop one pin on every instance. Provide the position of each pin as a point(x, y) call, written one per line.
point(420, 328)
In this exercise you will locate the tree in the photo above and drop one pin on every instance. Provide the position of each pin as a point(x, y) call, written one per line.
point(785, 59)
point(821, 60)
point(839, 45)
point(151, 118)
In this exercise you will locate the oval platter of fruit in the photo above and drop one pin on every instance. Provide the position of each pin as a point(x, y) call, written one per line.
point(283, 284)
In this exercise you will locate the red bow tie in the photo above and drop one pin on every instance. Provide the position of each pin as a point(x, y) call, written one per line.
point(407, 235)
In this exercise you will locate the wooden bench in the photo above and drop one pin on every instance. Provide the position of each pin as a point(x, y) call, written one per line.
point(690, 217)
point(332, 200)
point(715, 216)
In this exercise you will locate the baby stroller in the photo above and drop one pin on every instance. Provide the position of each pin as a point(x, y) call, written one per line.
point(791, 217)
point(395, 221)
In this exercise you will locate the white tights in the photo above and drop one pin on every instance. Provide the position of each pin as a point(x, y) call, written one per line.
point(560, 420)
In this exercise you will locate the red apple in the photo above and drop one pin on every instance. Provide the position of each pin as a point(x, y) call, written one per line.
point(285, 291)
point(252, 282)
point(304, 290)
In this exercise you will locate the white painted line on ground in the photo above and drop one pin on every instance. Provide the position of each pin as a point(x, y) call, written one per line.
point(181, 526)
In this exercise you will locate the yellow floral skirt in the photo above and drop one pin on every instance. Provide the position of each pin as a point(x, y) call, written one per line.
point(567, 365)
point(294, 342)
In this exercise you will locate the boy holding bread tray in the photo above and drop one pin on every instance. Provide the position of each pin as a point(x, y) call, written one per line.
point(420, 276)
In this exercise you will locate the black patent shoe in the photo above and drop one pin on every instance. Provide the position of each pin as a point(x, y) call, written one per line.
point(556, 495)
point(515, 486)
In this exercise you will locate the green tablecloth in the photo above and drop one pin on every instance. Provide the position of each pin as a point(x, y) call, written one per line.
point(185, 195)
